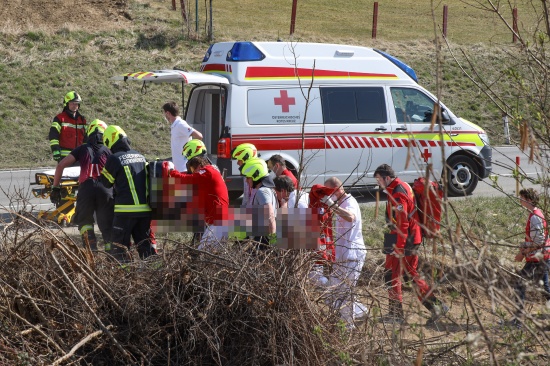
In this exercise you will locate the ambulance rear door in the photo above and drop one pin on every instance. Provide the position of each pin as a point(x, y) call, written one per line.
point(358, 132)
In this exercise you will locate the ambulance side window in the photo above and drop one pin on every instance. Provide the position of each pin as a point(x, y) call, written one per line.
point(411, 105)
point(353, 105)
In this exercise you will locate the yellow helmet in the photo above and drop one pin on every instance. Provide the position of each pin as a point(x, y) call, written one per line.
point(255, 168)
point(112, 134)
point(193, 148)
point(72, 96)
point(244, 152)
point(96, 125)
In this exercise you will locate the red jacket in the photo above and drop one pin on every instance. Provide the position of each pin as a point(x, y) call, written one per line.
point(67, 132)
point(289, 174)
point(210, 194)
point(324, 215)
point(532, 256)
point(401, 213)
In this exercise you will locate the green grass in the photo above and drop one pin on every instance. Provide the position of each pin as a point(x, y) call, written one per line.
point(38, 67)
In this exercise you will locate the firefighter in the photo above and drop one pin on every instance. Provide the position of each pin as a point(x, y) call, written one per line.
point(242, 153)
point(180, 133)
point(264, 197)
point(350, 252)
point(402, 219)
point(126, 170)
point(68, 127)
point(535, 250)
point(277, 165)
point(92, 196)
point(210, 197)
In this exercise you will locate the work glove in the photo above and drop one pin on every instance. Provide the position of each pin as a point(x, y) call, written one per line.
point(57, 155)
point(55, 195)
point(167, 167)
point(327, 201)
point(272, 238)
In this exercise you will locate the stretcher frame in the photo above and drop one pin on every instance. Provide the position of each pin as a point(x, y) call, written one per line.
point(64, 212)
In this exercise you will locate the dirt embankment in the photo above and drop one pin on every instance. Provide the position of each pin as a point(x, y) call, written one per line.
point(17, 16)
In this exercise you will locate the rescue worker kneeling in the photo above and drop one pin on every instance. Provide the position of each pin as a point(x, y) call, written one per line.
point(126, 171)
point(210, 197)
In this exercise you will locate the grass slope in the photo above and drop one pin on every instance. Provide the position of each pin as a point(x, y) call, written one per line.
point(39, 67)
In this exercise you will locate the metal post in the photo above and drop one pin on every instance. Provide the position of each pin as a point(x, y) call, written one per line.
point(197, 16)
point(515, 24)
point(293, 16)
point(211, 35)
point(506, 129)
point(374, 19)
point(445, 13)
point(517, 176)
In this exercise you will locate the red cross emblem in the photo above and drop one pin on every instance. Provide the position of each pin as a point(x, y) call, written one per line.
point(284, 101)
point(426, 155)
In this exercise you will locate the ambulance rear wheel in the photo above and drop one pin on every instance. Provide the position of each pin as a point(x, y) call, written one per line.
point(462, 176)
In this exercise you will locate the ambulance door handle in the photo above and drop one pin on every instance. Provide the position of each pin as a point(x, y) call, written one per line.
point(401, 129)
point(454, 134)
point(380, 129)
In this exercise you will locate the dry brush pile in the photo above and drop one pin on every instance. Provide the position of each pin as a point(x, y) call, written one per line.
point(62, 305)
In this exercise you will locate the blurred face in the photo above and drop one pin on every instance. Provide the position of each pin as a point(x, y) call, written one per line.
point(273, 167)
point(525, 202)
point(240, 162)
point(282, 195)
point(73, 106)
point(383, 182)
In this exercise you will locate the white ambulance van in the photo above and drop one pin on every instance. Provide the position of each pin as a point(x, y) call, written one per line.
point(347, 108)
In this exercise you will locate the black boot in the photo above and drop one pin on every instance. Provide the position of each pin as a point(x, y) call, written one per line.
point(395, 315)
point(436, 307)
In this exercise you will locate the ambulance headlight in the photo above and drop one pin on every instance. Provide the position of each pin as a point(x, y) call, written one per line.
point(484, 138)
point(244, 51)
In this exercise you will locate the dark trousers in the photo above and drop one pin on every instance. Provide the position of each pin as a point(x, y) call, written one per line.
point(126, 228)
point(533, 271)
point(94, 197)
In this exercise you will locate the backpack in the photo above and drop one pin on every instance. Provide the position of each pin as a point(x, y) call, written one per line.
point(428, 196)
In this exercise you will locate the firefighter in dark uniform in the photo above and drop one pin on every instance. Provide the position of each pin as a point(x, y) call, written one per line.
point(93, 197)
point(126, 170)
point(68, 127)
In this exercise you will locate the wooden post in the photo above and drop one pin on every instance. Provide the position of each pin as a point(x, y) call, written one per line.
point(377, 204)
point(515, 25)
point(293, 16)
point(445, 13)
point(173, 4)
point(374, 19)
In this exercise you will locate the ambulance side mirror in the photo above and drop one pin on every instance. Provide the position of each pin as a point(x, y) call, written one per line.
point(445, 118)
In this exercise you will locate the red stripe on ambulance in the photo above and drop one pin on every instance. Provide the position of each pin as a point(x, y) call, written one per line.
point(291, 72)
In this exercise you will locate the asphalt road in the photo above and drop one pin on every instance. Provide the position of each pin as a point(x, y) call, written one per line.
point(16, 189)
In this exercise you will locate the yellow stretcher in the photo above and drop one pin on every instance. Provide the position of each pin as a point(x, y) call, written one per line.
point(64, 212)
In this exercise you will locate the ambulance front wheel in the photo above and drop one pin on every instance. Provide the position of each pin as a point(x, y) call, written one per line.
point(462, 176)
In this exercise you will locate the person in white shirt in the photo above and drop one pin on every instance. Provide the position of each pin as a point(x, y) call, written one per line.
point(350, 253)
point(180, 134)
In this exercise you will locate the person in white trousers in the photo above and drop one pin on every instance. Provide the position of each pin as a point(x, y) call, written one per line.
point(350, 253)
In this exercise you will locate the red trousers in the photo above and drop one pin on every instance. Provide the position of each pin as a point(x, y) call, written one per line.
point(394, 273)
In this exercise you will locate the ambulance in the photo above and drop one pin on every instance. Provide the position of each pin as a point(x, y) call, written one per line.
point(329, 110)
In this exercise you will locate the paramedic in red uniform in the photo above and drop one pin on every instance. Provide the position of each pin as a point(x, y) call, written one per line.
point(535, 250)
point(402, 219)
point(126, 170)
point(277, 165)
point(68, 127)
point(210, 194)
point(92, 196)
